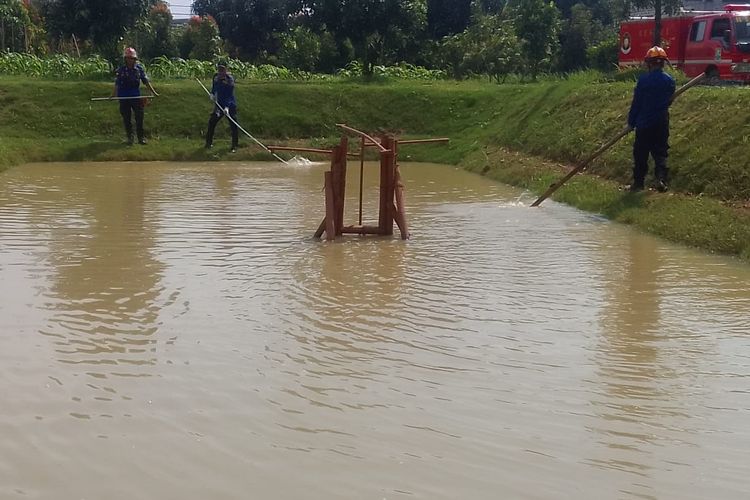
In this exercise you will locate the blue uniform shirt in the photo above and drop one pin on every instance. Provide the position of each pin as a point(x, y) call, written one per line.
point(651, 99)
point(128, 80)
point(223, 89)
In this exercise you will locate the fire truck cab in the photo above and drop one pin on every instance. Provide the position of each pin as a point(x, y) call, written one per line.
point(715, 42)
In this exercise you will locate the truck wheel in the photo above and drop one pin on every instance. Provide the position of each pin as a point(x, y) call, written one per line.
point(712, 76)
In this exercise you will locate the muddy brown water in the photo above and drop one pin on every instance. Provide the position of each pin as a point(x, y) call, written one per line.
point(170, 331)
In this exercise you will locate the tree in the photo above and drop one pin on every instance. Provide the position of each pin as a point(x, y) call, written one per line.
point(603, 55)
point(14, 22)
point(381, 31)
point(489, 47)
point(334, 54)
point(537, 25)
point(578, 33)
point(152, 35)
point(101, 22)
point(447, 17)
point(251, 26)
point(491, 7)
point(300, 48)
point(201, 40)
point(160, 18)
point(606, 12)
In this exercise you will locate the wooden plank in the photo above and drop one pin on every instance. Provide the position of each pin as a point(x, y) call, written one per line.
point(321, 228)
point(361, 230)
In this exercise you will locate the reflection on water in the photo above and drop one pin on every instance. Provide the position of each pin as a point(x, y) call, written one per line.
point(172, 331)
point(104, 283)
point(629, 367)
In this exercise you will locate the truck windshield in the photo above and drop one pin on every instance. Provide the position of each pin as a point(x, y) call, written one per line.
point(742, 27)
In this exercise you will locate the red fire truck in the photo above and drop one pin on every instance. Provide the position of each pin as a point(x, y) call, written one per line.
point(715, 42)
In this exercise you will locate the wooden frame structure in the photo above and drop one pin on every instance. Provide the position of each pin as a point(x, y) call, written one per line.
point(391, 201)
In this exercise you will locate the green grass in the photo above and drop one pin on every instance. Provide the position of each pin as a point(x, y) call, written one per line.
point(516, 133)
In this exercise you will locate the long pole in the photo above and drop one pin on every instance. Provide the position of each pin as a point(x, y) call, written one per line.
point(226, 113)
point(557, 185)
point(122, 98)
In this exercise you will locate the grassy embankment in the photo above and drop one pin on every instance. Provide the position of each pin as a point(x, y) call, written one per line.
point(520, 134)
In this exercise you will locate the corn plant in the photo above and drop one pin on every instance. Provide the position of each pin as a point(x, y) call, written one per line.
point(162, 67)
point(56, 66)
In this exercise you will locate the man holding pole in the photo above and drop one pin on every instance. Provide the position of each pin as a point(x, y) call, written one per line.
point(127, 88)
point(222, 93)
point(649, 116)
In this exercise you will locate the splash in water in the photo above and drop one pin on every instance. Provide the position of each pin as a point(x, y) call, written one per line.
point(301, 161)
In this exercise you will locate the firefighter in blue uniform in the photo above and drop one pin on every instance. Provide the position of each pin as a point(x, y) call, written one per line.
point(128, 79)
point(649, 116)
point(222, 93)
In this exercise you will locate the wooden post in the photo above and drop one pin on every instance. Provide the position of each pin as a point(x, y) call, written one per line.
point(361, 176)
point(400, 208)
point(330, 207)
point(78, 51)
point(341, 182)
point(386, 186)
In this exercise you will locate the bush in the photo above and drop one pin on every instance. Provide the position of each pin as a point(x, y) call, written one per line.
point(603, 56)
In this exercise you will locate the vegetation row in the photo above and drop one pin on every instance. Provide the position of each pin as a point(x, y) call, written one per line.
point(458, 38)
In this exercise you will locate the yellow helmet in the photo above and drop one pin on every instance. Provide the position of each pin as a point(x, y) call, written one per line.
point(656, 53)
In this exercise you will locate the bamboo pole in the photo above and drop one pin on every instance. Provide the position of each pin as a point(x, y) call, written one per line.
point(421, 141)
point(301, 150)
point(361, 134)
point(308, 150)
point(75, 41)
point(122, 98)
point(554, 187)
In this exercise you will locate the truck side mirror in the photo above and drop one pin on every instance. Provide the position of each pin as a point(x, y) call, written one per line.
point(727, 37)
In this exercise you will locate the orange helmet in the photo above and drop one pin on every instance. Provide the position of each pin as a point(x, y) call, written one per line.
point(130, 52)
point(655, 53)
